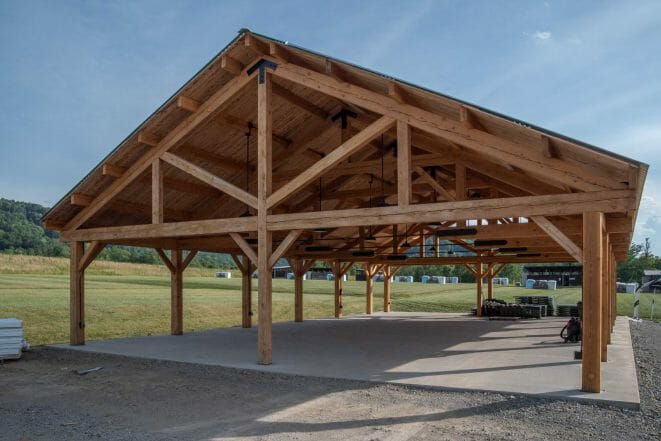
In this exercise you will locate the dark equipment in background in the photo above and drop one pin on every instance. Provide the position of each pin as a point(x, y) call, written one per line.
point(572, 331)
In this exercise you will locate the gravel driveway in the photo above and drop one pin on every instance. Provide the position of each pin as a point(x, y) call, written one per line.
point(43, 398)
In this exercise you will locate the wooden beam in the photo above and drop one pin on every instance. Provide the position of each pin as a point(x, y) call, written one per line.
point(299, 102)
point(508, 151)
point(434, 184)
point(338, 274)
point(92, 251)
point(592, 267)
point(211, 179)
point(76, 295)
point(148, 138)
point(168, 229)
point(206, 111)
point(247, 249)
point(81, 200)
point(231, 65)
point(166, 260)
point(286, 243)
point(553, 205)
point(189, 258)
point(479, 274)
point(264, 236)
point(157, 192)
point(336, 156)
point(605, 297)
point(557, 235)
point(112, 170)
point(403, 163)
point(396, 92)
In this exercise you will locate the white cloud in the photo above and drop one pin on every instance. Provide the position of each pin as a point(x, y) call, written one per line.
point(542, 35)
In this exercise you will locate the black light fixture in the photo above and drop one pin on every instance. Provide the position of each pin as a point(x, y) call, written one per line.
point(489, 243)
point(318, 248)
point(529, 255)
point(363, 253)
point(320, 229)
point(451, 250)
point(512, 249)
point(250, 127)
point(397, 257)
point(457, 232)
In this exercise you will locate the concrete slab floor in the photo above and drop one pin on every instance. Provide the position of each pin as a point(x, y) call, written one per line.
point(448, 351)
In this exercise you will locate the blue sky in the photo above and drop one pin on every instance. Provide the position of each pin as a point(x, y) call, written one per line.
point(77, 77)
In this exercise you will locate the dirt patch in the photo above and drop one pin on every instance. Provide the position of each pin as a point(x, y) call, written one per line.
point(41, 397)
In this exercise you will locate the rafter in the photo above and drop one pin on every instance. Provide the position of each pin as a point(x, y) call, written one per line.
point(578, 176)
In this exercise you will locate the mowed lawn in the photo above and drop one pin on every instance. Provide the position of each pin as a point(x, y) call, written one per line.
point(128, 300)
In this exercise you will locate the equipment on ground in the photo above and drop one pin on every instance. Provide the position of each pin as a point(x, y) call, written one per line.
point(572, 331)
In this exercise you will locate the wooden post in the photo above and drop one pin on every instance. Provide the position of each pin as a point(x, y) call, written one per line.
point(437, 246)
point(386, 288)
point(490, 282)
point(264, 236)
point(298, 290)
point(613, 290)
point(460, 186)
point(157, 192)
point(403, 163)
point(369, 288)
point(479, 273)
point(593, 224)
point(246, 293)
point(605, 298)
point(76, 295)
point(337, 276)
point(176, 294)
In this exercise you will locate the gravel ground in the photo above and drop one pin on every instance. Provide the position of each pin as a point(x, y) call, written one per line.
point(42, 398)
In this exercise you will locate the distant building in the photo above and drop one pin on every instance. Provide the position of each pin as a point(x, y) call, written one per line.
point(564, 275)
point(653, 278)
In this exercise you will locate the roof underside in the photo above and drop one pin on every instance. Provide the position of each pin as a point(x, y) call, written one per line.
point(305, 130)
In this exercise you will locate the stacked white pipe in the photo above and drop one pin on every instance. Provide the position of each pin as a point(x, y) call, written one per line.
point(12, 340)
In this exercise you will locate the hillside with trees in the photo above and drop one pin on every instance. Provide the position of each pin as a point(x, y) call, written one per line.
point(21, 233)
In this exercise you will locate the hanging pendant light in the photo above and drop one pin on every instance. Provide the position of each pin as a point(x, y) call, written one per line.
point(250, 127)
point(320, 230)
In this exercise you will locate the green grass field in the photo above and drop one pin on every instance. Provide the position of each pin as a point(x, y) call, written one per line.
point(122, 300)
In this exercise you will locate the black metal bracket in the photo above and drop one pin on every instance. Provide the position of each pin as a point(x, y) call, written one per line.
point(343, 115)
point(262, 65)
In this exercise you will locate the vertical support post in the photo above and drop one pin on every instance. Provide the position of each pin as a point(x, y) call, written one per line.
point(337, 276)
point(387, 272)
point(460, 185)
point(264, 236)
point(76, 295)
point(437, 245)
point(298, 289)
point(613, 290)
point(246, 293)
point(593, 224)
point(369, 288)
point(490, 282)
point(176, 294)
point(605, 298)
point(157, 192)
point(403, 163)
point(479, 273)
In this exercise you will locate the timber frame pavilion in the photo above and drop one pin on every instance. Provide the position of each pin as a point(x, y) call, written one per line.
point(273, 151)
